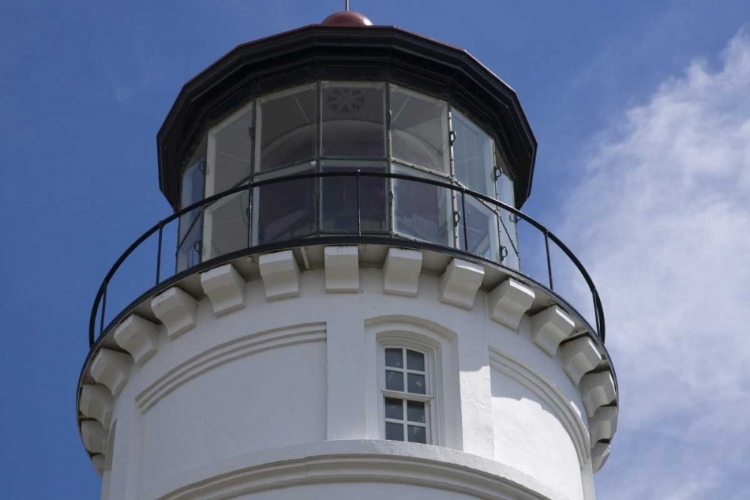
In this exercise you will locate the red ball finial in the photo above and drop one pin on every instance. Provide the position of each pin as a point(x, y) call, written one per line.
point(347, 19)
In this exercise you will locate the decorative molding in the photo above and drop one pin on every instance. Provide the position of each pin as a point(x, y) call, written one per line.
point(224, 353)
point(225, 289)
point(139, 337)
point(111, 369)
point(597, 389)
point(356, 462)
point(342, 269)
point(177, 310)
point(550, 327)
point(603, 425)
point(579, 357)
point(562, 408)
point(280, 274)
point(401, 272)
point(509, 302)
point(94, 436)
point(599, 456)
point(460, 283)
point(96, 402)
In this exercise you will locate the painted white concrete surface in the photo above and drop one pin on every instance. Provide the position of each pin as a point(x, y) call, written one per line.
point(301, 370)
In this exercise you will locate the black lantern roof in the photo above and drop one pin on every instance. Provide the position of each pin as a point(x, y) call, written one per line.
point(315, 52)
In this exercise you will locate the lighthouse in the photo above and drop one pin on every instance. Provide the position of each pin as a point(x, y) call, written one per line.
point(347, 300)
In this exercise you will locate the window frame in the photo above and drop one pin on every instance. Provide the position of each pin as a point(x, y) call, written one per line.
point(429, 398)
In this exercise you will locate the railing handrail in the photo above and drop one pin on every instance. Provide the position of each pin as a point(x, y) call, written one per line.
point(101, 292)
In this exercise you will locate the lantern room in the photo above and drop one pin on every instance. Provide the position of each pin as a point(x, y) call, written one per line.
point(311, 135)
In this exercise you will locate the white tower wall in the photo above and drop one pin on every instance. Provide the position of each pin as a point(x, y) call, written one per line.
point(264, 384)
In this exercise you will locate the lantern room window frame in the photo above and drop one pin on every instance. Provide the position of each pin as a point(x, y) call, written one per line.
point(323, 206)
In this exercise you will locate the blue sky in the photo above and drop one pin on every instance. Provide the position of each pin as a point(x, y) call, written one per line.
point(642, 113)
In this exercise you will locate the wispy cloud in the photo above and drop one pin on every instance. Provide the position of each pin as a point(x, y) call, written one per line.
point(662, 221)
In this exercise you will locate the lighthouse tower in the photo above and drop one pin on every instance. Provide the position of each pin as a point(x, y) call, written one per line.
point(347, 301)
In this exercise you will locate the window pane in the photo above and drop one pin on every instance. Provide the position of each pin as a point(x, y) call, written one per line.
point(415, 360)
point(415, 412)
point(189, 247)
point(394, 408)
point(394, 358)
point(234, 150)
point(417, 384)
point(509, 235)
point(472, 154)
point(353, 120)
point(394, 381)
point(190, 224)
point(417, 434)
point(226, 225)
point(394, 432)
point(422, 211)
point(419, 129)
point(287, 127)
point(339, 198)
point(285, 209)
point(481, 228)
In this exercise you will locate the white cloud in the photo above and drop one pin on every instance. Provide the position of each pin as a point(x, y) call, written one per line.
point(662, 222)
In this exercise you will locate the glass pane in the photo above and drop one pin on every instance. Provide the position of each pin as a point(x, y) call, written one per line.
point(422, 211)
point(394, 432)
point(417, 384)
point(417, 434)
point(287, 132)
point(339, 199)
point(192, 192)
point(189, 245)
point(394, 381)
point(394, 408)
point(508, 228)
point(415, 412)
point(394, 358)
point(190, 225)
point(226, 225)
point(419, 131)
point(481, 229)
point(234, 150)
point(472, 155)
point(285, 210)
point(353, 120)
point(415, 360)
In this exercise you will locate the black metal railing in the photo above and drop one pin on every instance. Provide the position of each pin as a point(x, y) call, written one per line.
point(459, 246)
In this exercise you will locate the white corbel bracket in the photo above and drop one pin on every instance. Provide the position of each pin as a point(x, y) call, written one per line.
point(603, 425)
point(579, 357)
point(139, 337)
point(111, 369)
point(401, 272)
point(550, 327)
point(99, 462)
point(96, 402)
point(94, 436)
point(342, 269)
point(460, 283)
point(176, 309)
point(509, 302)
point(225, 289)
point(280, 274)
point(599, 456)
point(597, 390)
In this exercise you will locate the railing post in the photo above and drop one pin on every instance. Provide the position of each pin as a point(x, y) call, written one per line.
point(549, 263)
point(359, 208)
point(158, 254)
